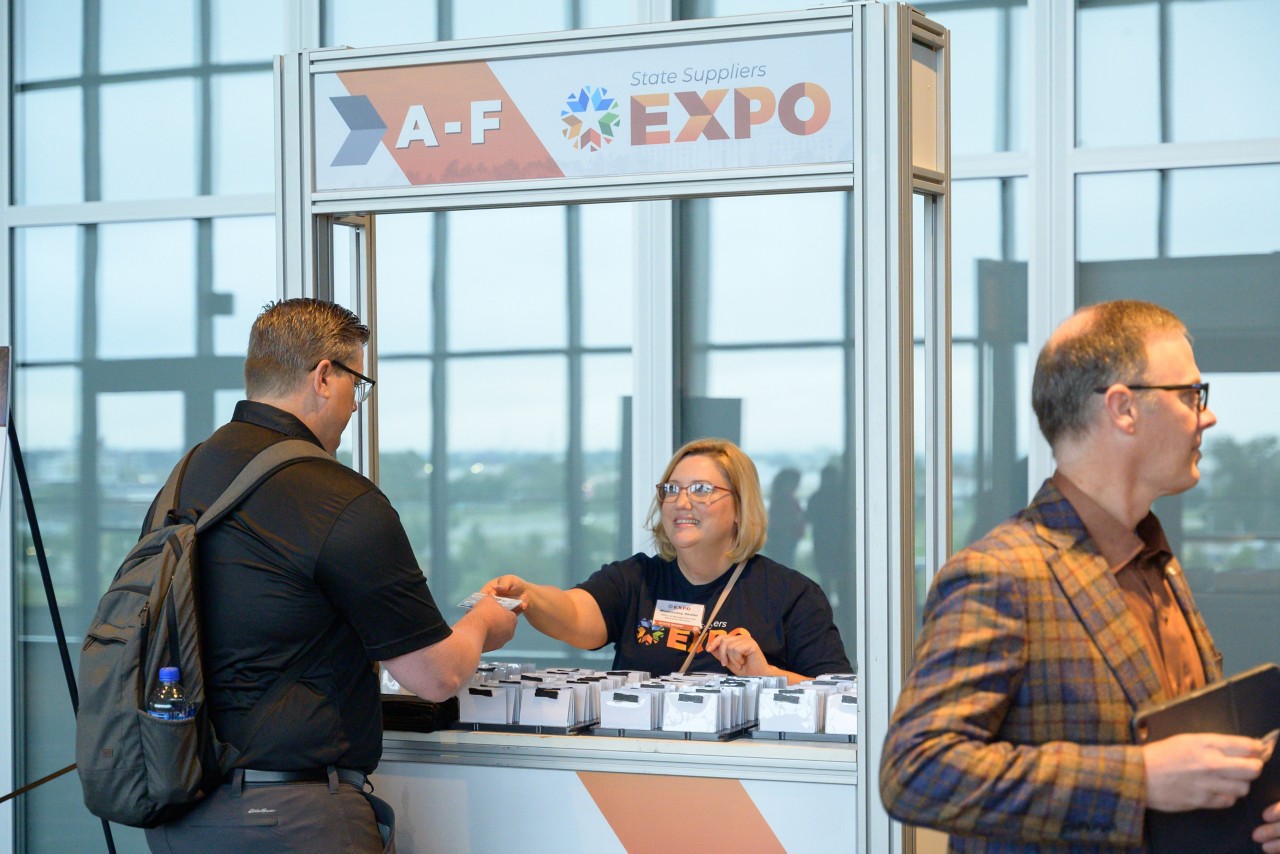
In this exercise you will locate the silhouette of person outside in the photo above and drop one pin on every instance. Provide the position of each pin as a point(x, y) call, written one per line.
point(786, 517)
point(828, 513)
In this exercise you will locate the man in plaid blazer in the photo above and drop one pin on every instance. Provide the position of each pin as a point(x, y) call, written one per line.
point(1042, 640)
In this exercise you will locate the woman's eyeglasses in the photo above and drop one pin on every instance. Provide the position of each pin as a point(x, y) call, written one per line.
point(699, 491)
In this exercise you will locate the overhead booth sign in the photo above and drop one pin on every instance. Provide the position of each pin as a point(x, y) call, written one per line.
point(764, 102)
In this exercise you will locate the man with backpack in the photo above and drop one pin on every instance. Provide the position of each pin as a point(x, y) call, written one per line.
point(312, 573)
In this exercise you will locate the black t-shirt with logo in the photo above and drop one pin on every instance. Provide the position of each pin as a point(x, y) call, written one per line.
point(786, 613)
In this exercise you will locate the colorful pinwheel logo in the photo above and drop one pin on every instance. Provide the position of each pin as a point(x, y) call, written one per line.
point(590, 118)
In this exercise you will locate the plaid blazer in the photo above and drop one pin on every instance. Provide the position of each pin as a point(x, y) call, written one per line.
point(1012, 732)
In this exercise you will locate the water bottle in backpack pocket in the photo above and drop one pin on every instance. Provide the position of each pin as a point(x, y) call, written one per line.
point(168, 701)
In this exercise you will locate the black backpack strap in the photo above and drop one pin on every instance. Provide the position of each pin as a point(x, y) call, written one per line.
point(168, 498)
point(266, 463)
point(269, 461)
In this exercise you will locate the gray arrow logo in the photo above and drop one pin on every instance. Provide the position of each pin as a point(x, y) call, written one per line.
point(366, 128)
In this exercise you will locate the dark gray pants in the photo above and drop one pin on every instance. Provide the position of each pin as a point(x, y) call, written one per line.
point(282, 817)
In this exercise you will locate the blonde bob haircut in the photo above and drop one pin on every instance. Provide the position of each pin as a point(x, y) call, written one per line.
point(740, 472)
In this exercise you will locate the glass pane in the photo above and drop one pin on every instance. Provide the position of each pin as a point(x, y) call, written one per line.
point(606, 13)
point(512, 475)
point(248, 30)
point(244, 256)
point(990, 418)
point(49, 421)
point(140, 437)
point(47, 262)
point(789, 398)
point(1215, 263)
point(506, 480)
point(1224, 65)
point(990, 73)
point(606, 502)
point(1116, 216)
point(243, 116)
point(790, 410)
point(475, 18)
point(404, 448)
point(1117, 74)
point(404, 256)
point(48, 147)
point(146, 310)
point(516, 404)
point(1218, 65)
point(404, 409)
point(147, 34)
point(724, 8)
point(357, 23)
point(47, 39)
point(142, 160)
point(606, 384)
point(608, 252)
point(775, 255)
point(513, 298)
point(1225, 211)
point(138, 421)
point(752, 373)
point(1188, 212)
point(224, 404)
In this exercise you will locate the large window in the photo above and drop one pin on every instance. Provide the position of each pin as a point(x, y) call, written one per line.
point(764, 347)
point(128, 340)
point(130, 315)
point(1151, 71)
point(141, 246)
point(504, 381)
point(1206, 243)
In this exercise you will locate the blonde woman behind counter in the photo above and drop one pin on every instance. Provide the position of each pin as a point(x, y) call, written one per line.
point(707, 516)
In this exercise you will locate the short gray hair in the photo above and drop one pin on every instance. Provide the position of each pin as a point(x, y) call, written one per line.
point(290, 337)
point(1110, 348)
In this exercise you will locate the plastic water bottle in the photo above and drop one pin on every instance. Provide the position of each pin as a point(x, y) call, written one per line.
point(168, 701)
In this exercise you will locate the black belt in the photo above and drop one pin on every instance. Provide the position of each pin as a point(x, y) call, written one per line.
point(253, 776)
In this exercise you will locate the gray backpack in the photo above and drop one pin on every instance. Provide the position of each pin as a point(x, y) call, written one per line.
point(136, 769)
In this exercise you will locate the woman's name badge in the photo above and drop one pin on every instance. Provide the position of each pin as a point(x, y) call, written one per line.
point(678, 614)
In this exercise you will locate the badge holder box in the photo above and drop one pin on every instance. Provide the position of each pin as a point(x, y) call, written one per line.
point(529, 729)
point(671, 734)
point(838, 737)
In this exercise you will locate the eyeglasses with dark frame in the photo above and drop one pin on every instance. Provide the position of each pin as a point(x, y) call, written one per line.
point(363, 384)
point(699, 491)
point(1201, 390)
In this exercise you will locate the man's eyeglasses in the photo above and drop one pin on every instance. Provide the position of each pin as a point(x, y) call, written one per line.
point(699, 491)
point(363, 384)
point(1201, 390)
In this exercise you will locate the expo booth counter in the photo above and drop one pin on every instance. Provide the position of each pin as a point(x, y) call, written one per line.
point(852, 98)
point(456, 790)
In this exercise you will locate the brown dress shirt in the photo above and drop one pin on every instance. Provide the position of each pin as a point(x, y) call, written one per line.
point(1140, 559)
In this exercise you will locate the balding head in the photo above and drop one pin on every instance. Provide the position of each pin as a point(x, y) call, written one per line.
point(1097, 346)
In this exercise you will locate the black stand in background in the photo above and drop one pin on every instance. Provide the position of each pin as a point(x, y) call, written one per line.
point(21, 471)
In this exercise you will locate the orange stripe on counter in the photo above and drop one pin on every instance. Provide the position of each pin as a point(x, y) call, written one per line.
point(656, 812)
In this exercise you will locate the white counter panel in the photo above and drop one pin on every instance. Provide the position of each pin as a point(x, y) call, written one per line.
point(459, 791)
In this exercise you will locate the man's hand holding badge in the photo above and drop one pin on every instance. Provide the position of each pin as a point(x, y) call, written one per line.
point(510, 604)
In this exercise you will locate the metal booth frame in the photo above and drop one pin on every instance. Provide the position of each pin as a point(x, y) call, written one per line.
point(898, 175)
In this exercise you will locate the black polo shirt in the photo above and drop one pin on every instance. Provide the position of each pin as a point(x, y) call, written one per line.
point(315, 543)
